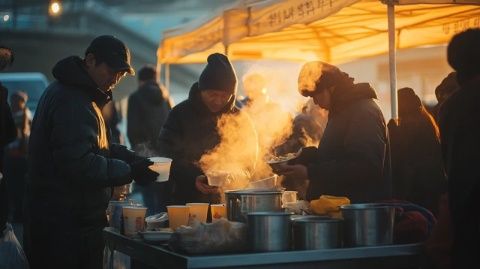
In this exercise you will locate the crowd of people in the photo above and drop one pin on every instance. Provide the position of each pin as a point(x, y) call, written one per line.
point(59, 169)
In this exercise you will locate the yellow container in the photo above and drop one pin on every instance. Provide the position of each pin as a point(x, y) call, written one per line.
point(328, 205)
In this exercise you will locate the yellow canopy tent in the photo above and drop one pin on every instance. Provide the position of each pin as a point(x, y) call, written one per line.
point(334, 31)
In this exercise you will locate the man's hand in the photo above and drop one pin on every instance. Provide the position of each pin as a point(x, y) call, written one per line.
point(141, 173)
point(296, 171)
point(201, 183)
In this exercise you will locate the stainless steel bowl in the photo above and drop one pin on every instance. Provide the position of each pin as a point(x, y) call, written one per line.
point(313, 232)
point(269, 231)
point(368, 224)
point(242, 202)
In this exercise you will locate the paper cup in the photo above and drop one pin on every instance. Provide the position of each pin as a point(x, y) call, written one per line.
point(177, 215)
point(218, 211)
point(198, 211)
point(161, 165)
point(133, 219)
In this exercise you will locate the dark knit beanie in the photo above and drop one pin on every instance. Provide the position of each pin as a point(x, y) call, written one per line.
point(218, 74)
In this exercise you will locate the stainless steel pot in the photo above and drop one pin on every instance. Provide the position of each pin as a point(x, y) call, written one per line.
point(241, 202)
point(312, 232)
point(368, 224)
point(269, 231)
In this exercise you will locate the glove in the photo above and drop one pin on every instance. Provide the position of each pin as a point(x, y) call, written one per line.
point(306, 155)
point(141, 173)
point(123, 153)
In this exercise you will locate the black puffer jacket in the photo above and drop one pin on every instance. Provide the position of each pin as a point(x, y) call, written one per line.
point(148, 109)
point(460, 139)
point(70, 167)
point(190, 132)
point(353, 157)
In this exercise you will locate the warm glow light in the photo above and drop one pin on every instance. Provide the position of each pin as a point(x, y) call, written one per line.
point(55, 8)
point(6, 17)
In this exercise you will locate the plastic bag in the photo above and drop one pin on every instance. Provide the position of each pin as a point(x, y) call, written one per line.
point(115, 260)
point(222, 236)
point(11, 252)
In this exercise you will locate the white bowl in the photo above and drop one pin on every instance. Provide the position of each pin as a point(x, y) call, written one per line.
point(161, 165)
point(218, 178)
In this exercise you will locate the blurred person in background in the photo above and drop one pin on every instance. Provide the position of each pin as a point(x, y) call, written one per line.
point(72, 164)
point(191, 130)
point(444, 90)
point(460, 133)
point(352, 159)
point(7, 133)
point(417, 167)
point(15, 170)
point(148, 108)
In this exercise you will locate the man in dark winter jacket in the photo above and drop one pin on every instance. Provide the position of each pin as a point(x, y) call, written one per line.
point(148, 109)
point(72, 165)
point(460, 139)
point(191, 130)
point(352, 159)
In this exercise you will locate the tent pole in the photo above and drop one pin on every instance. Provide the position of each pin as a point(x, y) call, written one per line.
point(392, 61)
point(167, 76)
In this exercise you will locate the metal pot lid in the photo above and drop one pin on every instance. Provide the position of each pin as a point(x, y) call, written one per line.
point(256, 191)
point(315, 219)
point(365, 206)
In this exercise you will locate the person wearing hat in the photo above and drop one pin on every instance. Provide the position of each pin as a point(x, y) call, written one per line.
point(460, 140)
point(191, 130)
point(73, 167)
point(417, 167)
point(352, 159)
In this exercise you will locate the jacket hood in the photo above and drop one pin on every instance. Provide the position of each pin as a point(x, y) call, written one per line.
point(196, 99)
point(70, 71)
point(153, 93)
point(344, 96)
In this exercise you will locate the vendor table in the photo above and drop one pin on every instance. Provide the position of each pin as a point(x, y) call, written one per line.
point(388, 257)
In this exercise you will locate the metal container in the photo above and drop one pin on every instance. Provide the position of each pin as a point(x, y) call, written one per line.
point(269, 231)
point(241, 202)
point(368, 224)
point(312, 232)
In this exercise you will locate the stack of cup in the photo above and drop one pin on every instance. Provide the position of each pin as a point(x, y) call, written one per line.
point(133, 219)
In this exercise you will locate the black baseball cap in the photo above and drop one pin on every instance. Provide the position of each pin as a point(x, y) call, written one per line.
point(112, 51)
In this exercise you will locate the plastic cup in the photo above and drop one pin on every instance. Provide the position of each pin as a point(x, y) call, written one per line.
point(289, 197)
point(161, 165)
point(198, 211)
point(218, 211)
point(177, 215)
point(133, 219)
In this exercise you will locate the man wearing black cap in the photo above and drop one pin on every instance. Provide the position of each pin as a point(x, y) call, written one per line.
point(460, 139)
point(352, 158)
point(72, 165)
point(191, 130)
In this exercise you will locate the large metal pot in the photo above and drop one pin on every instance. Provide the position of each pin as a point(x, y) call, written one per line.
point(312, 232)
point(368, 224)
point(269, 231)
point(241, 202)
